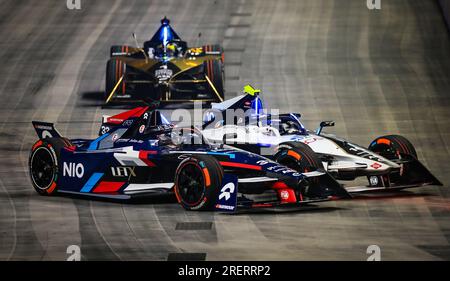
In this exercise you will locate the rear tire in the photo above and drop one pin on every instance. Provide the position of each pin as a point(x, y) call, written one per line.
point(216, 49)
point(44, 164)
point(197, 182)
point(214, 71)
point(119, 50)
point(114, 70)
point(298, 156)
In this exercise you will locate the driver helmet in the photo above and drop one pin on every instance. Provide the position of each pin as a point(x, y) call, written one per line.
point(171, 49)
point(249, 90)
point(257, 108)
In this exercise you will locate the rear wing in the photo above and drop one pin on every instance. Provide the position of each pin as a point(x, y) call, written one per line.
point(45, 130)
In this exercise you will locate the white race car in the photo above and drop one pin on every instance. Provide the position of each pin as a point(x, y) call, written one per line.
point(390, 162)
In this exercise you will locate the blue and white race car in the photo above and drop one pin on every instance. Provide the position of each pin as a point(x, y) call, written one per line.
point(390, 162)
point(139, 153)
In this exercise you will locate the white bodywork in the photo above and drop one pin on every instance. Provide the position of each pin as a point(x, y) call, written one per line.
point(269, 138)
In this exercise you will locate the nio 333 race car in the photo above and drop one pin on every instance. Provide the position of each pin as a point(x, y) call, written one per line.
point(139, 153)
point(389, 162)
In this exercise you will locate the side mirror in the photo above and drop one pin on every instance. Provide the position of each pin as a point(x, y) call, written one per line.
point(324, 124)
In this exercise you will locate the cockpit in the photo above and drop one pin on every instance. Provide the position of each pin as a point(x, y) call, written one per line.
point(154, 126)
point(248, 110)
point(165, 43)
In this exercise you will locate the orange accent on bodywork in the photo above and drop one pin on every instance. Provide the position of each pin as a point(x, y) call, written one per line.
point(207, 177)
point(384, 141)
point(294, 154)
point(52, 188)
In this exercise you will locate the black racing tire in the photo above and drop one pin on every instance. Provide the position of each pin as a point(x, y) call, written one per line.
point(214, 71)
point(298, 156)
point(216, 48)
point(392, 147)
point(114, 70)
point(44, 164)
point(197, 182)
point(119, 50)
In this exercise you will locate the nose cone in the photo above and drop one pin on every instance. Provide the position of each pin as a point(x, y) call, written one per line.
point(165, 21)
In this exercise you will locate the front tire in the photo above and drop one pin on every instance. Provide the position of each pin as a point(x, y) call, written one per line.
point(197, 182)
point(44, 164)
point(298, 156)
point(392, 147)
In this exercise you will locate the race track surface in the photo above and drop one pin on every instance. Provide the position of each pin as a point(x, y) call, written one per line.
point(374, 72)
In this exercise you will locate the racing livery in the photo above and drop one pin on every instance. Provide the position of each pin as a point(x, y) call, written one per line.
point(390, 162)
point(165, 68)
point(139, 153)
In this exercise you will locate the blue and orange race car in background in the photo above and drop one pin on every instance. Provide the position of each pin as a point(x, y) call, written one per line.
point(138, 152)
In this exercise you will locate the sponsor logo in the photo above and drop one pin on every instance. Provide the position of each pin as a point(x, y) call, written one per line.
point(375, 165)
point(73, 170)
point(284, 194)
point(141, 129)
point(277, 168)
point(104, 129)
point(362, 153)
point(114, 120)
point(224, 207)
point(46, 134)
point(373, 180)
point(122, 172)
point(310, 140)
point(226, 191)
point(127, 123)
point(43, 127)
point(115, 137)
point(163, 73)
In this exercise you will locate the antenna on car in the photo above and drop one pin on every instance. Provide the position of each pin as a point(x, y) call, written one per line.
point(137, 46)
point(198, 38)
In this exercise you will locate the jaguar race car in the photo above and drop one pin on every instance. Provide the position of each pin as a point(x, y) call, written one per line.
point(139, 153)
point(165, 68)
point(390, 162)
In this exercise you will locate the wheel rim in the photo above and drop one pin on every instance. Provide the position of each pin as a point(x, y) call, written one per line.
point(191, 184)
point(42, 168)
